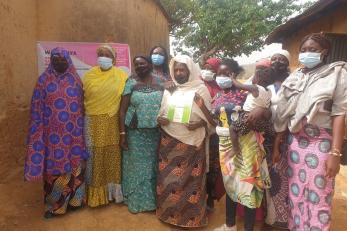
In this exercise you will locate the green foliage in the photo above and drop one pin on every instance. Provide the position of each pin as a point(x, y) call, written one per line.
point(226, 27)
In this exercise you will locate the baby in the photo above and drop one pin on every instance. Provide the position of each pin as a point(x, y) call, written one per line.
point(258, 96)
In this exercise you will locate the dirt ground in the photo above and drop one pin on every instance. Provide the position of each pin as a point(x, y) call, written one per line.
point(21, 208)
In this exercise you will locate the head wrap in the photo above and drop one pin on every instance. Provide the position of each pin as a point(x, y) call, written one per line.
point(109, 48)
point(103, 86)
point(285, 53)
point(214, 63)
point(195, 85)
point(63, 106)
point(263, 63)
point(194, 70)
point(61, 52)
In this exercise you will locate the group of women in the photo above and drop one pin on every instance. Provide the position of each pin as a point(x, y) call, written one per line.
point(109, 137)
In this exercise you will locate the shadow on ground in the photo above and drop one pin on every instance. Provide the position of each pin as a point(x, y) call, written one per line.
point(21, 209)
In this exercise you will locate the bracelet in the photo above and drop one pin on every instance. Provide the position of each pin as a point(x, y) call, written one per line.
point(335, 152)
point(122, 133)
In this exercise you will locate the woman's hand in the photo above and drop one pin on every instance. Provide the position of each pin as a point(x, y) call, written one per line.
point(333, 162)
point(170, 86)
point(233, 76)
point(258, 114)
point(195, 125)
point(199, 100)
point(162, 121)
point(123, 142)
point(235, 150)
point(275, 155)
point(332, 166)
point(201, 104)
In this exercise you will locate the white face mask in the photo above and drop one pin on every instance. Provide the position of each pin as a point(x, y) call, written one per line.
point(105, 63)
point(310, 59)
point(224, 82)
point(207, 75)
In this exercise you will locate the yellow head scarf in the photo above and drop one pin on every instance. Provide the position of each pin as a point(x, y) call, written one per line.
point(103, 90)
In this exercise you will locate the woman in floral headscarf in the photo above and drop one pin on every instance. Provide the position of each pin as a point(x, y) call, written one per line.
point(56, 149)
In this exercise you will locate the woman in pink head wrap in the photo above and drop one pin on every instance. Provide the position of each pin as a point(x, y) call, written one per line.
point(213, 63)
point(214, 184)
point(208, 75)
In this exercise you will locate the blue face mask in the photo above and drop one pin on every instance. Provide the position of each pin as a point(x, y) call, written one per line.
point(310, 59)
point(157, 59)
point(105, 63)
point(224, 82)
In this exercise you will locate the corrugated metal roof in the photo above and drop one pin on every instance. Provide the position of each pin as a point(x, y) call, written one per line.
point(311, 14)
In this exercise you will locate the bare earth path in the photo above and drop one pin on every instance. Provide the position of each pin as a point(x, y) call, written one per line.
point(21, 209)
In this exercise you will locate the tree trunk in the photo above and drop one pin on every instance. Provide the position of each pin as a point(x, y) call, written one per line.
point(206, 55)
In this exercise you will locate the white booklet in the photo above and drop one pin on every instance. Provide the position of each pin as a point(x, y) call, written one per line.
point(180, 106)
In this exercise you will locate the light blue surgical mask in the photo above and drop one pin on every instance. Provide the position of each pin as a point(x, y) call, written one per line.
point(310, 59)
point(224, 82)
point(157, 59)
point(105, 63)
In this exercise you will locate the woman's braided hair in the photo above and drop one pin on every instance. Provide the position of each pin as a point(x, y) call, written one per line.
point(319, 38)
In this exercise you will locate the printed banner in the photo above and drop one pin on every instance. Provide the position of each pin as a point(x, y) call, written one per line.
point(83, 55)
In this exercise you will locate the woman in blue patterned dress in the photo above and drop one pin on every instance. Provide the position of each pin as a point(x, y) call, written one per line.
point(140, 136)
point(56, 150)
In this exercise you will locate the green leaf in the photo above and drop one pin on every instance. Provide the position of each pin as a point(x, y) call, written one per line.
point(226, 27)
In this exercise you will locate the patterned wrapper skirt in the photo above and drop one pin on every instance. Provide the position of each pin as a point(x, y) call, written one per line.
point(245, 175)
point(214, 186)
point(181, 190)
point(139, 170)
point(310, 192)
point(277, 195)
point(63, 191)
point(103, 173)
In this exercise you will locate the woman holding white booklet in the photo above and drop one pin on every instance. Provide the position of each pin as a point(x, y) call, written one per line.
point(181, 181)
